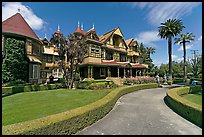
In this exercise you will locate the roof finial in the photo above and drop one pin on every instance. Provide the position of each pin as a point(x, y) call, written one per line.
point(78, 24)
point(93, 26)
point(45, 35)
point(58, 28)
point(19, 10)
point(82, 26)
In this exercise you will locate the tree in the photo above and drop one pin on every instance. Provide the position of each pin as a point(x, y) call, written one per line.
point(183, 39)
point(15, 62)
point(75, 48)
point(196, 66)
point(145, 55)
point(169, 29)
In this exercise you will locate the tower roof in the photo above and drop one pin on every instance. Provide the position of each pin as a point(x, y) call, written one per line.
point(58, 30)
point(80, 30)
point(16, 24)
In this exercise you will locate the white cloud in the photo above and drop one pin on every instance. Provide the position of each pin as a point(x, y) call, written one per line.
point(176, 58)
point(11, 8)
point(161, 11)
point(187, 47)
point(148, 38)
point(200, 38)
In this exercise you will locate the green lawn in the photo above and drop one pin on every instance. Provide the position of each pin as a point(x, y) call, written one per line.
point(32, 105)
point(195, 98)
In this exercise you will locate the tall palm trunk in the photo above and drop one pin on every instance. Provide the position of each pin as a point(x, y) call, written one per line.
point(184, 57)
point(170, 57)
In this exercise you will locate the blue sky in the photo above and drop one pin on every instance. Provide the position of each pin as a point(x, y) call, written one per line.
point(139, 20)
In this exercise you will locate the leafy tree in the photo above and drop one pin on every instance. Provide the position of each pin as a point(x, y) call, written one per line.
point(196, 66)
point(75, 48)
point(169, 29)
point(144, 54)
point(183, 39)
point(15, 62)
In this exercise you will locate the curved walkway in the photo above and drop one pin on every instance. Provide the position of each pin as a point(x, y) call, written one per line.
point(142, 113)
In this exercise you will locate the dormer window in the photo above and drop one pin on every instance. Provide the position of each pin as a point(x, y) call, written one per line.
point(116, 40)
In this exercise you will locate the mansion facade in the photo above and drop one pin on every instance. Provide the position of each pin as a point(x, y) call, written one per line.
point(109, 55)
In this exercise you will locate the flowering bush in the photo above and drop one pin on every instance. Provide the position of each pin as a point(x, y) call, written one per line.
point(139, 80)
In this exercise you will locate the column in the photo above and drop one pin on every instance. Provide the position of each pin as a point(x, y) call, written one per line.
point(140, 73)
point(131, 72)
point(135, 72)
point(91, 71)
point(118, 72)
point(124, 72)
point(109, 72)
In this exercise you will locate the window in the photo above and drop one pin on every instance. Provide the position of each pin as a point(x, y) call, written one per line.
point(109, 55)
point(103, 54)
point(122, 58)
point(35, 71)
point(116, 40)
point(35, 49)
point(103, 71)
point(60, 74)
point(47, 58)
point(43, 74)
point(55, 73)
point(95, 51)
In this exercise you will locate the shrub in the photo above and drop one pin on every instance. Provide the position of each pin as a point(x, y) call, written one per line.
point(18, 89)
point(169, 82)
point(7, 90)
point(16, 82)
point(183, 107)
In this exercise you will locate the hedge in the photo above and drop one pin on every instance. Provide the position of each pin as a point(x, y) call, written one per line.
point(17, 89)
point(185, 108)
point(71, 121)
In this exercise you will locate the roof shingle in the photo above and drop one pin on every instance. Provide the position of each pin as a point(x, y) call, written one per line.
point(16, 24)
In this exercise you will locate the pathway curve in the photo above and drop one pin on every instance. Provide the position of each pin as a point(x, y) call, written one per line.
point(142, 113)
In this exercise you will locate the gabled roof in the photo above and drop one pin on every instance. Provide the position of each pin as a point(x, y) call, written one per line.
point(129, 41)
point(16, 24)
point(107, 35)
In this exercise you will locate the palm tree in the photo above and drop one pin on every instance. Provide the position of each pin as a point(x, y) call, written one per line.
point(169, 29)
point(150, 50)
point(184, 38)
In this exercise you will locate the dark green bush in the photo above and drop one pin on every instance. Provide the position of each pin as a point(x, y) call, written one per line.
point(16, 82)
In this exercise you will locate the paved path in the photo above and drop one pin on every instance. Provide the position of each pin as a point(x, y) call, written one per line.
point(142, 113)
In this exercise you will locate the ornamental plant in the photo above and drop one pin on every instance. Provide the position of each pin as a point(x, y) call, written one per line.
point(15, 62)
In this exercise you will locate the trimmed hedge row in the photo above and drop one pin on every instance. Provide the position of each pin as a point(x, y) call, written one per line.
point(185, 108)
point(18, 89)
point(71, 121)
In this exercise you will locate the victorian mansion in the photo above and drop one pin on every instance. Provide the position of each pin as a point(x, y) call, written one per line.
point(109, 55)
